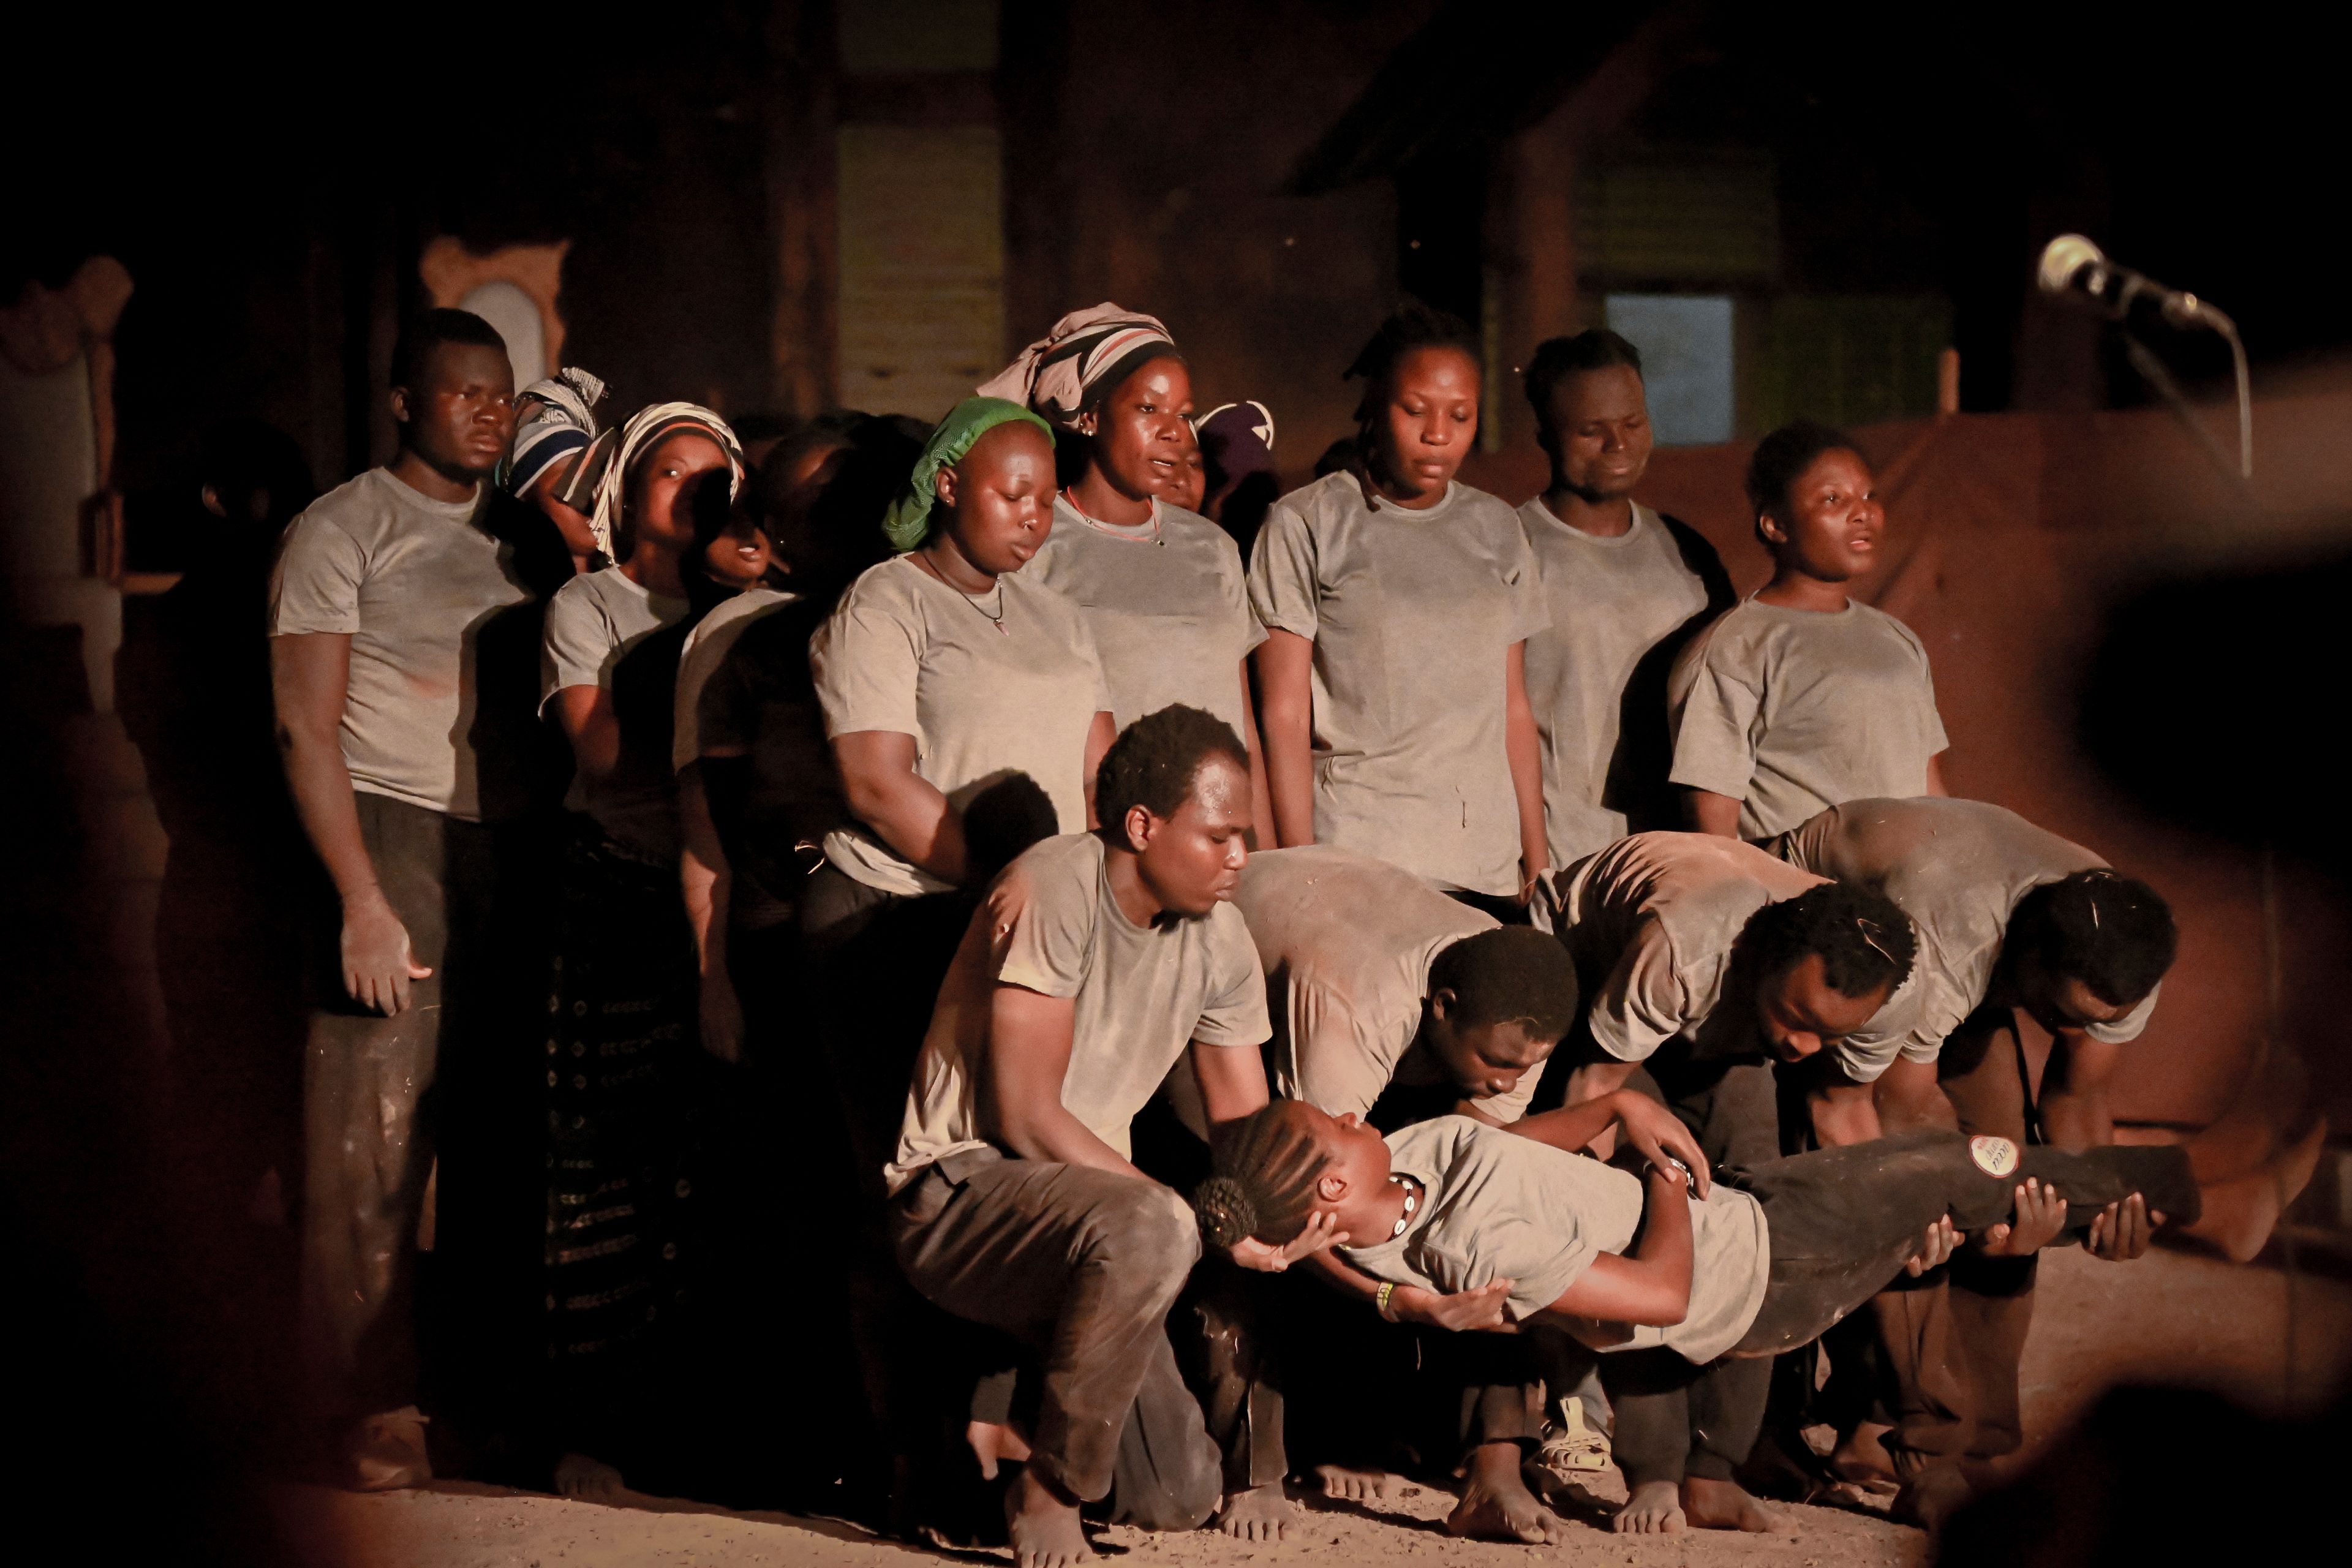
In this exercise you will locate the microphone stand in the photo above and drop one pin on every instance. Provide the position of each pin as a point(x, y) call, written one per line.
point(2153, 371)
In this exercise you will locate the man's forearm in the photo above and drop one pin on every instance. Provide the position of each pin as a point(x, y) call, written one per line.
point(1571, 1127)
point(1056, 1135)
point(320, 783)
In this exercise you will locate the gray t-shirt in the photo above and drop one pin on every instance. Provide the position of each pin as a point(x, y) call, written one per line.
point(1347, 941)
point(1793, 712)
point(1143, 993)
point(986, 700)
point(1413, 614)
point(1957, 868)
point(600, 632)
point(1610, 601)
point(1501, 1206)
point(410, 581)
point(1166, 602)
point(1651, 921)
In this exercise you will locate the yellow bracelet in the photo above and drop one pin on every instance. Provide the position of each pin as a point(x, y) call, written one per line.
point(1380, 1301)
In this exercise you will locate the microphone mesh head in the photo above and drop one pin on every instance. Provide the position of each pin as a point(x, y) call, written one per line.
point(2062, 259)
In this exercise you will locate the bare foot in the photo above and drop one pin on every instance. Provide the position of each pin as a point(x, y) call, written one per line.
point(1861, 1458)
point(994, 1443)
point(2238, 1215)
point(1725, 1505)
point(1044, 1524)
point(1496, 1503)
point(1261, 1513)
point(586, 1478)
point(1343, 1484)
point(1654, 1509)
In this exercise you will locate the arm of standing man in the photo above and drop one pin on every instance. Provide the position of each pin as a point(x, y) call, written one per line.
point(2076, 1114)
point(310, 678)
point(707, 880)
point(1262, 834)
point(1709, 812)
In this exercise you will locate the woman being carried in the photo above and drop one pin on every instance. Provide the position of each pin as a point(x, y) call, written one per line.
point(1669, 1257)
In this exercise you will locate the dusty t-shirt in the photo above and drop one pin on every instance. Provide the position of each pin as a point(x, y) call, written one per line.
point(1501, 1206)
point(1167, 605)
point(1957, 868)
point(1793, 712)
point(1347, 941)
point(1143, 993)
point(1611, 601)
point(411, 582)
point(1412, 615)
point(603, 631)
point(989, 701)
point(1651, 921)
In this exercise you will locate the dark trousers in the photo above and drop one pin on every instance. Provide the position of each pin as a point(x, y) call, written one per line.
point(1949, 1344)
point(1673, 1419)
point(1081, 1266)
point(1844, 1221)
point(370, 1111)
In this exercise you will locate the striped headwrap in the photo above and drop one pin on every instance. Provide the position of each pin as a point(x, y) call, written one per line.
point(1080, 362)
point(640, 434)
point(553, 420)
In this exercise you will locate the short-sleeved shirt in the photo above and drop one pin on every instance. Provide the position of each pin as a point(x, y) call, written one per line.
point(1651, 921)
point(1412, 615)
point(1792, 712)
point(1347, 941)
point(1957, 868)
point(705, 649)
point(989, 701)
point(1612, 601)
point(1143, 993)
point(1501, 1206)
point(1167, 605)
point(603, 630)
point(410, 581)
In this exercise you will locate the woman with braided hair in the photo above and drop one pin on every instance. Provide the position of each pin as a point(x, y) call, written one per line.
point(1398, 603)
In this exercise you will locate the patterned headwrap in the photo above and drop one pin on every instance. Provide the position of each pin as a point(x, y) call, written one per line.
point(909, 522)
point(553, 420)
point(1080, 362)
point(644, 431)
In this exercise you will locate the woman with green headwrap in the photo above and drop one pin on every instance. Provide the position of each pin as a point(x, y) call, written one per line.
point(967, 712)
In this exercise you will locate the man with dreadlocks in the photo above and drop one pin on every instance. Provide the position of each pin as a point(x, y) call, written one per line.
point(1096, 963)
point(1702, 961)
point(2011, 919)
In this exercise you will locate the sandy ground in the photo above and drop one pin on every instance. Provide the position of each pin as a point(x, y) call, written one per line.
point(2167, 1317)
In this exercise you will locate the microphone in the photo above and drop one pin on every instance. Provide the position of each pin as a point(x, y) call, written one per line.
point(2073, 268)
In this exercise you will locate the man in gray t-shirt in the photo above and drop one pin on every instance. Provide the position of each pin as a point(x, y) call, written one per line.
point(1095, 964)
point(382, 588)
point(1626, 588)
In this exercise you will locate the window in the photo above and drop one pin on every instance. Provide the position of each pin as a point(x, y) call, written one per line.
point(1686, 361)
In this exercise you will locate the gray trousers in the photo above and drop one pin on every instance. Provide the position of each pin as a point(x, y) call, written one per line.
point(367, 1125)
point(1082, 1265)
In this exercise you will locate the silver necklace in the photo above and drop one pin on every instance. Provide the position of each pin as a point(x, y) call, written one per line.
point(1107, 529)
point(996, 620)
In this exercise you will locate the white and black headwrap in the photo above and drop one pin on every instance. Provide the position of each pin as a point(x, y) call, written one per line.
point(1074, 367)
point(553, 420)
point(645, 430)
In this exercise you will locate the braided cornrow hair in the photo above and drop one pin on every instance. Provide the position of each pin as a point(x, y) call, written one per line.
point(1266, 1167)
point(1409, 327)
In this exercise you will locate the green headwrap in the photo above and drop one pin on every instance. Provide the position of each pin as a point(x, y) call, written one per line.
point(909, 522)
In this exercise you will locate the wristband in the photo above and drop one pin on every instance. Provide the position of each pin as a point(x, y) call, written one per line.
point(1380, 1301)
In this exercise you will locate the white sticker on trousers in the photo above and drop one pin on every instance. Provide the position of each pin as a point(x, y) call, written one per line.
point(1994, 1156)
